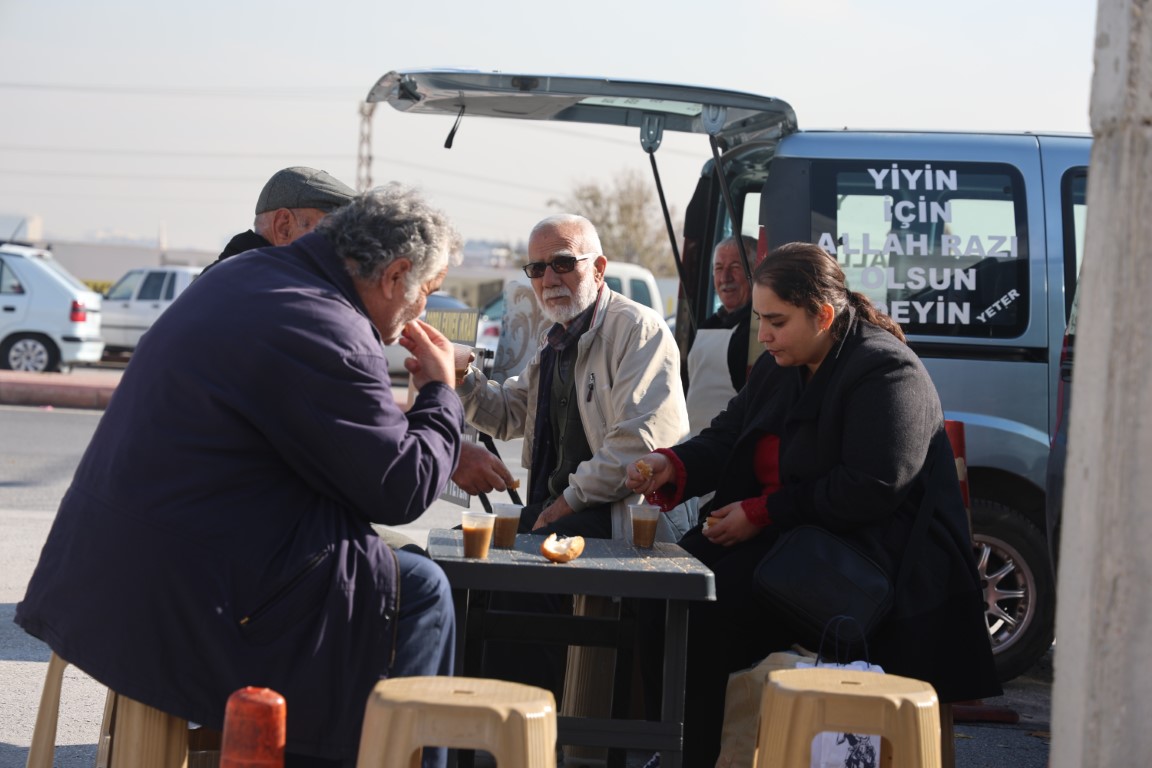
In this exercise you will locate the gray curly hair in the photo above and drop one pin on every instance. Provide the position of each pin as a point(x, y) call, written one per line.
point(388, 223)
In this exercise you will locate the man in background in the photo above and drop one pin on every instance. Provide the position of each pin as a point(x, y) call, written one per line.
point(291, 204)
point(718, 360)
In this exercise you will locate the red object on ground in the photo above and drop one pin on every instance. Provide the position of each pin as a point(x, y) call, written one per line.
point(254, 729)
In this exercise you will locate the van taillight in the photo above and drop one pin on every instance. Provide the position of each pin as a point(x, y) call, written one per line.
point(79, 313)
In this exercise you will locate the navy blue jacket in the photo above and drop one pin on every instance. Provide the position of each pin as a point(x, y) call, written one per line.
point(216, 533)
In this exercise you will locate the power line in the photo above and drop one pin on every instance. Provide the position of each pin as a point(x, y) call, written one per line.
point(259, 93)
point(385, 161)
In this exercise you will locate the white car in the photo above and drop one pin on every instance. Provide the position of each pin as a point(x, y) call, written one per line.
point(134, 302)
point(49, 320)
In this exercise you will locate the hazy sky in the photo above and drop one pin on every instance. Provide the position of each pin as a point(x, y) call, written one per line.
point(126, 117)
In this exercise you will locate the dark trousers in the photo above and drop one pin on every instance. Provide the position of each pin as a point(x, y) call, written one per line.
point(426, 645)
point(540, 664)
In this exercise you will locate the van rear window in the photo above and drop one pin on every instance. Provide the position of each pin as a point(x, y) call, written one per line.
point(940, 247)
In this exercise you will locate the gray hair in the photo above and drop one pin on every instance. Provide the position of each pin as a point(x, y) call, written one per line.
point(750, 245)
point(388, 223)
point(587, 229)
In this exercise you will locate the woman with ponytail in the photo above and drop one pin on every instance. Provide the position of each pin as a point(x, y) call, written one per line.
point(838, 426)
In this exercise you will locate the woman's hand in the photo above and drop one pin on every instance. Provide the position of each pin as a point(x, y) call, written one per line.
point(729, 525)
point(650, 472)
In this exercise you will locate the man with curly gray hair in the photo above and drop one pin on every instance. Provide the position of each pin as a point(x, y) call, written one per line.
point(227, 497)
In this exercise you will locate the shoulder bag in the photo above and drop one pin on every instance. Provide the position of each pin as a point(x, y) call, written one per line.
point(811, 576)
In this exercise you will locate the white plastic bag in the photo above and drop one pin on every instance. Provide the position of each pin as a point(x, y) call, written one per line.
point(845, 750)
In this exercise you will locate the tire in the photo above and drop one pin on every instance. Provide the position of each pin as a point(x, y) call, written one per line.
point(29, 352)
point(1019, 589)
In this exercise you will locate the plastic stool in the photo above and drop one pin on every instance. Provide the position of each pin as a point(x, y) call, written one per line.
point(515, 723)
point(797, 704)
point(132, 735)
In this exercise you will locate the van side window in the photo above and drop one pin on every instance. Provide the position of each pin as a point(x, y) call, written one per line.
point(614, 284)
point(153, 287)
point(941, 247)
point(1074, 209)
point(125, 287)
point(640, 293)
point(9, 283)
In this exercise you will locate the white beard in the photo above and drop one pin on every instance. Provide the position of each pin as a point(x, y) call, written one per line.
point(563, 313)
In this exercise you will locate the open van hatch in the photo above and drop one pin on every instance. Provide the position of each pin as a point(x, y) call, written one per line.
point(654, 107)
point(728, 118)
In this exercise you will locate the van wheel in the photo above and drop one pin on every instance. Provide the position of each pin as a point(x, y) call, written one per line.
point(1019, 589)
point(29, 352)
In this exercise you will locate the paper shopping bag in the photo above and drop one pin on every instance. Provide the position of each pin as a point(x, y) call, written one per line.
point(742, 708)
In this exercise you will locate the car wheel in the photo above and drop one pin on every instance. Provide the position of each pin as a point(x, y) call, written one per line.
point(29, 352)
point(1019, 590)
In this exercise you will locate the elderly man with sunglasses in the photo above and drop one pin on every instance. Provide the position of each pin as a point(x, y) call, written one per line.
point(603, 389)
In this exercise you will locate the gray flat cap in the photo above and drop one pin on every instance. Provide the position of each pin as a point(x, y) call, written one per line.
point(300, 187)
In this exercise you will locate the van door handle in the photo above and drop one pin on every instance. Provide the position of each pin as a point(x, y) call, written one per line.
point(9, 308)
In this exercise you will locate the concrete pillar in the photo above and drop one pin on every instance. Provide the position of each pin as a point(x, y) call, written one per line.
point(1102, 699)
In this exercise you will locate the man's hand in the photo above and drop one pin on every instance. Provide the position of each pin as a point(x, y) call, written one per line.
point(730, 525)
point(554, 512)
point(480, 470)
point(431, 354)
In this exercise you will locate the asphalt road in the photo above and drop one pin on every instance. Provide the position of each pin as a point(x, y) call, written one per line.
point(41, 447)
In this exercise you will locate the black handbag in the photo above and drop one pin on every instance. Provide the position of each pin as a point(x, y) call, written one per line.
point(811, 576)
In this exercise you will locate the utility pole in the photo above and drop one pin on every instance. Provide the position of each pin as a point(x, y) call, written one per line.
point(364, 156)
point(1102, 698)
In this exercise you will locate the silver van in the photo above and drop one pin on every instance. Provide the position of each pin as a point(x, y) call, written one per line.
point(972, 241)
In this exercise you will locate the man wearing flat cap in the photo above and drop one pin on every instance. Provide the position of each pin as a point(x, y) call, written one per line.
point(291, 204)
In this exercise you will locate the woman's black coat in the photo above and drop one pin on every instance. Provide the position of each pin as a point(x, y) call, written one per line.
point(856, 445)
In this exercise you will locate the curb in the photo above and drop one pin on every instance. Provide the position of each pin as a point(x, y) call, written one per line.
point(59, 390)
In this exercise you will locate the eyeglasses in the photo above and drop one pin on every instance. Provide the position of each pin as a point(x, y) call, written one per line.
point(561, 265)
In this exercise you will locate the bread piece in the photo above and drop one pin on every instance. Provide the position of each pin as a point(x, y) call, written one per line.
point(562, 549)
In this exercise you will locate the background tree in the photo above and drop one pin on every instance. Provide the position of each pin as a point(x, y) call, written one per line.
point(626, 213)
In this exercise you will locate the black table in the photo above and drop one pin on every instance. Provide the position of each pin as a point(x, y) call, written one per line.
point(608, 568)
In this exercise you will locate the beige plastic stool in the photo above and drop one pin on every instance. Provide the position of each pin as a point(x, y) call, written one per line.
point(515, 723)
point(797, 704)
point(132, 735)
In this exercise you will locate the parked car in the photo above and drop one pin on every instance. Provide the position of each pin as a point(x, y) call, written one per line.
point(488, 326)
point(49, 320)
point(134, 302)
point(970, 241)
point(437, 302)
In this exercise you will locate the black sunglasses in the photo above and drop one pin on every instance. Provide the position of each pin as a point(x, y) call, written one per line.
point(561, 265)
